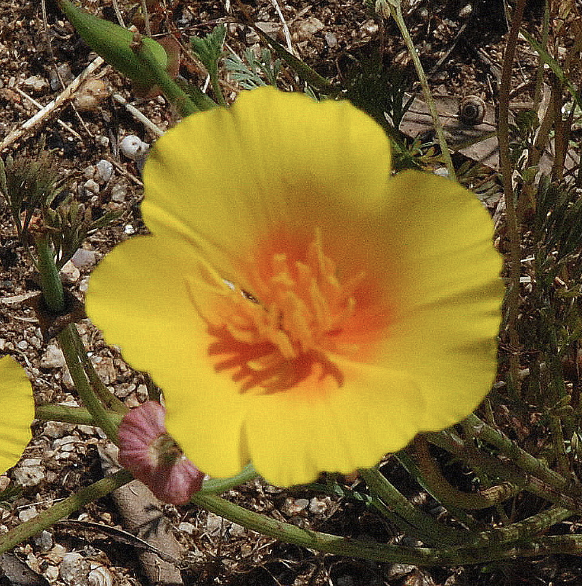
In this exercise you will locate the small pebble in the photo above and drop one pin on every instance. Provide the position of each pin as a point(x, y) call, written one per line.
point(53, 357)
point(118, 193)
point(466, 11)
point(91, 94)
point(29, 472)
point(74, 569)
point(44, 540)
point(104, 170)
point(22, 345)
point(27, 514)
point(69, 273)
point(36, 83)
point(91, 187)
point(187, 528)
point(84, 259)
point(442, 172)
point(65, 444)
point(65, 73)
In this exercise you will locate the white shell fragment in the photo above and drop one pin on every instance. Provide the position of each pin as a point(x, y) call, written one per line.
point(100, 576)
point(133, 147)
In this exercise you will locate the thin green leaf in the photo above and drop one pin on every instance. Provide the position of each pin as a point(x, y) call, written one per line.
point(554, 66)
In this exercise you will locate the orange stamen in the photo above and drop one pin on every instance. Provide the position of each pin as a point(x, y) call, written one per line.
point(292, 319)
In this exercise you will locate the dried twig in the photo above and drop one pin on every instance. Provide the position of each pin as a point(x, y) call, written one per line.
point(43, 115)
point(138, 115)
point(286, 32)
point(64, 125)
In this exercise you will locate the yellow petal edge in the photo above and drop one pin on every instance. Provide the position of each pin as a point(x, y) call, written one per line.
point(18, 412)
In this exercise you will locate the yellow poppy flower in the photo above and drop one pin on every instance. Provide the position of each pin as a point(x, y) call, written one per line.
point(298, 306)
point(18, 408)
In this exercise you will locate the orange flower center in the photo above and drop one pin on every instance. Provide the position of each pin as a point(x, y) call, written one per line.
point(284, 330)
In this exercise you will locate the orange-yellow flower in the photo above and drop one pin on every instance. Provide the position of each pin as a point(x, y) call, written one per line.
point(18, 407)
point(298, 306)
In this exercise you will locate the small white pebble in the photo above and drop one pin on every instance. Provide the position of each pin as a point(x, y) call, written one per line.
point(91, 186)
point(22, 345)
point(27, 514)
point(104, 170)
point(466, 11)
point(133, 147)
point(84, 258)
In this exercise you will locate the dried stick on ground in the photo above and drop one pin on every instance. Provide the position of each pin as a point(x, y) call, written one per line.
point(43, 115)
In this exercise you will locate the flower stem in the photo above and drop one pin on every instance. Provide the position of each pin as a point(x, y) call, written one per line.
point(421, 556)
point(512, 220)
point(171, 89)
point(108, 398)
point(426, 528)
point(518, 456)
point(219, 485)
point(450, 496)
point(396, 11)
point(52, 288)
point(63, 508)
point(67, 341)
point(75, 356)
point(75, 415)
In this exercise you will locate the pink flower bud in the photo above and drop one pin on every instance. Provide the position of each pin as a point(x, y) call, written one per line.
point(152, 456)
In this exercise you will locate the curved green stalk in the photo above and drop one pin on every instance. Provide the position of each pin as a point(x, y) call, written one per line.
point(426, 528)
point(219, 485)
point(517, 455)
point(52, 288)
point(101, 416)
point(66, 414)
point(63, 508)
point(422, 556)
point(450, 496)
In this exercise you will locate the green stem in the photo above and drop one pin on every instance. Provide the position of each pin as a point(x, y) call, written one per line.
point(421, 556)
point(426, 528)
point(512, 220)
point(518, 456)
point(452, 497)
point(75, 415)
point(52, 288)
point(215, 83)
point(508, 471)
point(525, 529)
point(171, 89)
point(62, 509)
point(107, 397)
point(396, 11)
point(219, 485)
point(67, 340)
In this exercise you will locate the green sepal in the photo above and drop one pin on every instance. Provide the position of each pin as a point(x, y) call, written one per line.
point(113, 43)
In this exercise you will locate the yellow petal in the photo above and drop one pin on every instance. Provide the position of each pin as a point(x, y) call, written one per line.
point(275, 160)
point(449, 315)
point(138, 295)
point(371, 414)
point(18, 406)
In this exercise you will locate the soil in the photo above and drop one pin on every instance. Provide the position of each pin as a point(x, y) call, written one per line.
point(460, 43)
